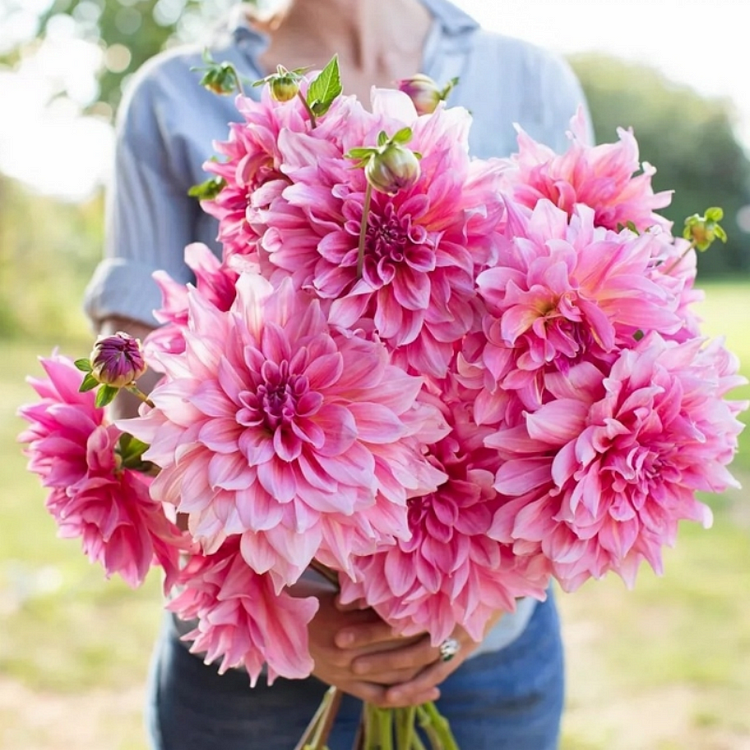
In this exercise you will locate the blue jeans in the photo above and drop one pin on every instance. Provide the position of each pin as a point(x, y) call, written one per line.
point(509, 699)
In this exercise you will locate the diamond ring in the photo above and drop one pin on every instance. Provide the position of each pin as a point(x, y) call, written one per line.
point(449, 648)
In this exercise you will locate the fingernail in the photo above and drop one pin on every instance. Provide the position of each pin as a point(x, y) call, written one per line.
point(395, 695)
point(360, 667)
point(345, 638)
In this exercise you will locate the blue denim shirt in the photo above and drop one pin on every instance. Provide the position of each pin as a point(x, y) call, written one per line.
point(167, 124)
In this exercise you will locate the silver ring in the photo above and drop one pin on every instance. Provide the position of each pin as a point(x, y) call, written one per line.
point(449, 648)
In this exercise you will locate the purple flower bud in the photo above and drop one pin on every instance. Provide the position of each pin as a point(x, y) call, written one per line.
point(424, 92)
point(394, 168)
point(117, 360)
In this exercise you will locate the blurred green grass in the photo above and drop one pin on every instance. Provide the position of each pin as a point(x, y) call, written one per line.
point(664, 666)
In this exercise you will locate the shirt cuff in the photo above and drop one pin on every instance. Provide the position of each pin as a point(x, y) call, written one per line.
point(122, 288)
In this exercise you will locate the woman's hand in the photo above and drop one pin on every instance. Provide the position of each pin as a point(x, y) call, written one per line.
point(357, 652)
point(424, 686)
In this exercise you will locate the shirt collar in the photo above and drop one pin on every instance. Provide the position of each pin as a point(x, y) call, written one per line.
point(452, 19)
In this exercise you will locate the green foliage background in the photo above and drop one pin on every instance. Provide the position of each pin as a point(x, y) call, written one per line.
point(690, 140)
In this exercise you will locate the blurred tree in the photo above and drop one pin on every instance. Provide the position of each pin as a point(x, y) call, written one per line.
point(128, 32)
point(690, 139)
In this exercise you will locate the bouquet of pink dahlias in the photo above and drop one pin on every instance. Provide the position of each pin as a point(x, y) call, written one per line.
point(442, 381)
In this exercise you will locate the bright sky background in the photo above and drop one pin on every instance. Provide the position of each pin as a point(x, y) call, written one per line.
point(702, 43)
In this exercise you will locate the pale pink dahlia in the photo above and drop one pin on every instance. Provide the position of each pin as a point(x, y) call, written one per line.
point(214, 280)
point(92, 496)
point(602, 177)
point(566, 291)
point(450, 572)
point(422, 245)
point(276, 426)
point(603, 473)
point(241, 619)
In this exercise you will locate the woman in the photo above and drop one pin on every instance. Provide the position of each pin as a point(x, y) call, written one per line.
point(506, 692)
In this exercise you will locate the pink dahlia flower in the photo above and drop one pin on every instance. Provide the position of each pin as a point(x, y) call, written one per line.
point(92, 496)
point(276, 426)
point(241, 619)
point(603, 473)
point(567, 291)
point(602, 177)
point(422, 245)
point(255, 159)
point(251, 168)
point(214, 280)
point(450, 572)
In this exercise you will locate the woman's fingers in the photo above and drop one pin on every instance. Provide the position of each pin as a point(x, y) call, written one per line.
point(372, 634)
point(409, 656)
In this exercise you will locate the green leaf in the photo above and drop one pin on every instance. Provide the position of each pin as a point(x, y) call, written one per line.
point(105, 395)
point(208, 190)
point(714, 214)
point(325, 88)
point(88, 383)
point(131, 449)
point(361, 153)
point(84, 365)
point(382, 138)
point(720, 233)
point(403, 136)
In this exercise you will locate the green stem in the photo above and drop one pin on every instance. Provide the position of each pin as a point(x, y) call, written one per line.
point(304, 740)
point(363, 231)
point(313, 121)
point(320, 738)
point(368, 718)
point(138, 393)
point(238, 81)
point(677, 261)
point(441, 726)
point(385, 721)
point(405, 718)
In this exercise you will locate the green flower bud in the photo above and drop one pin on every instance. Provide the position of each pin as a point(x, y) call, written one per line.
point(284, 87)
point(392, 168)
point(703, 230)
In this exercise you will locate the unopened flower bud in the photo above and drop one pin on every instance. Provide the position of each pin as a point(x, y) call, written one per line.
point(393, 169)
point(425, 92)
point(703, 230)
point(117, 360)
point(284, 87)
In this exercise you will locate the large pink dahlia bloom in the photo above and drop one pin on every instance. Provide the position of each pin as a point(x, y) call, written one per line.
point(422, 245)
point(567, 290)
point(274, 425)
point(92, 496)
point(602, 177)
point(603, 473)
point(241, 619)
point(450, 572)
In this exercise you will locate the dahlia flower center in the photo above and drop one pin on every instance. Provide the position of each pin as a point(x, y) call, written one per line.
point(387, 236)
point(418, 508)
point(279, 398)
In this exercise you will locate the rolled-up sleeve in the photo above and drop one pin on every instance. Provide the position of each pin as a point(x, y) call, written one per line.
point(149, 216)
